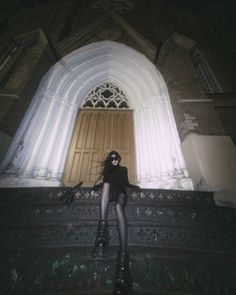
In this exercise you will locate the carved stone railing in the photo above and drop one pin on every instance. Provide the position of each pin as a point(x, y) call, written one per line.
point(37, 218)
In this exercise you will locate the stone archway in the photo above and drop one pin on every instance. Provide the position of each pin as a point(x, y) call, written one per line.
point(38, 152)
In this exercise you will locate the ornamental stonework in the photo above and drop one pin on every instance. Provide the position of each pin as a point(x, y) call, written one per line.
point(121, 6)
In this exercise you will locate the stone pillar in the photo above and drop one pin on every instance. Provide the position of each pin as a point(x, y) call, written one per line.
point(159, 158)
point(37, 156)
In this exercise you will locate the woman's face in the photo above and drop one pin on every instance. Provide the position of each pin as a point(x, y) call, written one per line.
point(115, 159)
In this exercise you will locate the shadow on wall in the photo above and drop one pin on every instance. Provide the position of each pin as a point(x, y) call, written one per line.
point(202, 186)
point(5, 141)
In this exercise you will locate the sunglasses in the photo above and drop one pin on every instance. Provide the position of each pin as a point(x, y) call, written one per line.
point(114, 158)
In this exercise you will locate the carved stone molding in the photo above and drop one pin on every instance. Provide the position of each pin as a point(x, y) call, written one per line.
point(120, 6)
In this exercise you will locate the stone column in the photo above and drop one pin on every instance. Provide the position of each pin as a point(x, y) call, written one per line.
point(37, 155)
point(159, 158)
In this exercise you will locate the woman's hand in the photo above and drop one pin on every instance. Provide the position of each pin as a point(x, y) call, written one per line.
point(135, 187)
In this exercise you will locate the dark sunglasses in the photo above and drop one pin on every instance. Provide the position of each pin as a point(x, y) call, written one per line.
point(114, 157)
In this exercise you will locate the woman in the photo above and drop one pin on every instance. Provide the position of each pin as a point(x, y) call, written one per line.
point(115, 182)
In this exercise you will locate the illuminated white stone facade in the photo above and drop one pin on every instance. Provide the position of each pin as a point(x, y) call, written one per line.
point(38, 153)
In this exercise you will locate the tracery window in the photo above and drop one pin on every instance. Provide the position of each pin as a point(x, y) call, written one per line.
point(208, 79)
point(106, 95)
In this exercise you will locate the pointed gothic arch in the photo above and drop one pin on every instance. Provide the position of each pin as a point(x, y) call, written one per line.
point(38, 152)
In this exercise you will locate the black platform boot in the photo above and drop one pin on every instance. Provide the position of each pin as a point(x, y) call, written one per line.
point(123, 280)
point(101, 242)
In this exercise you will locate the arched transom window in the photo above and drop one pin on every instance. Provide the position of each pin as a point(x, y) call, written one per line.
point(106, 95)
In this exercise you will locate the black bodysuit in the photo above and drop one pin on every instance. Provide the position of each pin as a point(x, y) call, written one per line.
point(117, 177)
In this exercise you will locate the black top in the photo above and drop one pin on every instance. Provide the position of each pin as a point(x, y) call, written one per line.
point(117, 177)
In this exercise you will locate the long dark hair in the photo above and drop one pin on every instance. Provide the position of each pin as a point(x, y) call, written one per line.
point(106, 164)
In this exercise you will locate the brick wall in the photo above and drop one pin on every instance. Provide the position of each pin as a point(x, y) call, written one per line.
point(23, 81)
point(193, 110)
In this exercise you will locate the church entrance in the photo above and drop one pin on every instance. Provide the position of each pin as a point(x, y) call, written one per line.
point(104, 81)
point(96, 133)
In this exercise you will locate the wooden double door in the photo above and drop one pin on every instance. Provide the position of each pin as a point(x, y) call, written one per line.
point(96, 133)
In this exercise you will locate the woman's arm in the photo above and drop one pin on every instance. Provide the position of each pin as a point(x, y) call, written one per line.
point(97, 186)
point(129, 185)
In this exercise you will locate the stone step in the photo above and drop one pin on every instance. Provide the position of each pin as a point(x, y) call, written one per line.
point(71, 270)
point(32, 218)
point(179, 241)
point(34, 236)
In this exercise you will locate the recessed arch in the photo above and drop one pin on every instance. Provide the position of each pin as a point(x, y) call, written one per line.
point(39, 149)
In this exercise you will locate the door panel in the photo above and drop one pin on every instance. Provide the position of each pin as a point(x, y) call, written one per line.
point(96, 133)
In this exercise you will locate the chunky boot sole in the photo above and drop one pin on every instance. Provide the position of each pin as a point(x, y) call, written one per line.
point(102, 240)
point(123, 280)
point(99, 252)
point(121, 288)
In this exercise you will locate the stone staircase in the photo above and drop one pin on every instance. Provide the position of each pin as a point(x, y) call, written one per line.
point(179, 243)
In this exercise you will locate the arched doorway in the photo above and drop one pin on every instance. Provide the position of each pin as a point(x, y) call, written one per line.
point(38, 153)
point(104, 123)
